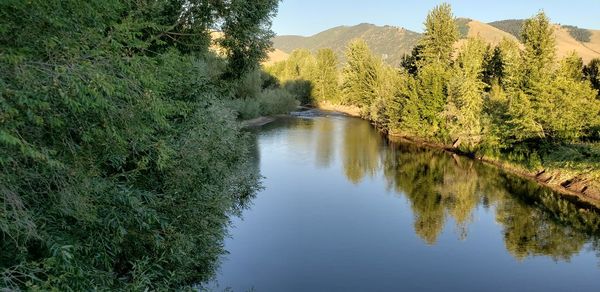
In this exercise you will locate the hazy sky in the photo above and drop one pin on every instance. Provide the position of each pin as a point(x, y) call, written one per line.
point(307, 17)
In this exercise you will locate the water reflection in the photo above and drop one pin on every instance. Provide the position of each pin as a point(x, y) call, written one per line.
point(442, 187)
point(325, 142)
point(361, 150)
point(343, 209)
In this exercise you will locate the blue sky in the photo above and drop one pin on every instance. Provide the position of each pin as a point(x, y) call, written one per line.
point(307, 17)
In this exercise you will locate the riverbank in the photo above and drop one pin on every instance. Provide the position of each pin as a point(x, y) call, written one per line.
point(582, 185)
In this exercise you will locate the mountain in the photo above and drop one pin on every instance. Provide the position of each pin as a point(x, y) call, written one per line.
point(275, 56)
point(391, 42)
point(586, 42)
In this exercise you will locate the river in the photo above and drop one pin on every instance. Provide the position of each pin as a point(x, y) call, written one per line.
point(343, 209)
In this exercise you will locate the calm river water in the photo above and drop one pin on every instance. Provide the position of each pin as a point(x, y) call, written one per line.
point(343, 209)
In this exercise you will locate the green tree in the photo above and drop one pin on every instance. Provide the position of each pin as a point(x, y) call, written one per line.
point(246, 33)
point(529, 97)
point(361, 75)
point(569, 105)
point(326, 79)
point(591, 72)
point(120, 160)
point(441, 32)
point(571, 67)
point(539, 52)
point(432, 82)
point(465, 96)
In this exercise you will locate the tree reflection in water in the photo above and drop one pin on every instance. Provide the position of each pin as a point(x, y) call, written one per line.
point(442, 186)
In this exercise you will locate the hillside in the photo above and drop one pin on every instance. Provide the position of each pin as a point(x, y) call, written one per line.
point(585, 42)
point(391, 43)
point(275, 56)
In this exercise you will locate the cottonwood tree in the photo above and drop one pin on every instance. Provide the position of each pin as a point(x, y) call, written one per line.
point(465, 95)
point(360, 75)
point(326, 83)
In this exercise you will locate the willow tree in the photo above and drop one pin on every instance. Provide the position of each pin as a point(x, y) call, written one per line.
point(119, 163)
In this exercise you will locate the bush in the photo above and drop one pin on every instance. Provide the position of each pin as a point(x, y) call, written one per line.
point(246, 108)
point(300, 89)
point(276, 101)
point(248, 86)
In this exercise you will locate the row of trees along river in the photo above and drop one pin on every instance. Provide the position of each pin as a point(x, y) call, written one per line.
point(510, 102)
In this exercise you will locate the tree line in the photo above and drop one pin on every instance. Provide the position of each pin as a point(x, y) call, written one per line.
point(121, 154)
point(509, 100)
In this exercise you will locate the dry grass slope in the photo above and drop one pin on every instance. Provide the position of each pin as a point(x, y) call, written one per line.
point(391, 43)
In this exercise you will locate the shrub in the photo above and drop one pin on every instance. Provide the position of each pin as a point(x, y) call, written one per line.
point(300, 89)
point(247, 108)
point(276, 101)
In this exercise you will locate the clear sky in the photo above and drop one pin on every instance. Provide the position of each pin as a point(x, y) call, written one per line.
point(307, 17)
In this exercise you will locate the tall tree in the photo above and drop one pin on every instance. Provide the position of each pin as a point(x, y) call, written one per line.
point(571, 67)
point(326, 76)
point(441, 32)
point(465, 95)
point(247, 33)
point(528, 98)
point(539, 53)
point(360, 75)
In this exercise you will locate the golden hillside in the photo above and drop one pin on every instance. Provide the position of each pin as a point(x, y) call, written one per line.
point(565, 43)
point(387, 44)
point(275, 56)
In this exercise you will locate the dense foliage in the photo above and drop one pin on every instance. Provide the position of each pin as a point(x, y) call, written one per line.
point(120, 158)
point(505, 101)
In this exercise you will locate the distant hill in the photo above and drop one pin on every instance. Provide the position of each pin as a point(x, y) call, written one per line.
point(391, 43)
point(585, 42)
point(276, 56)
